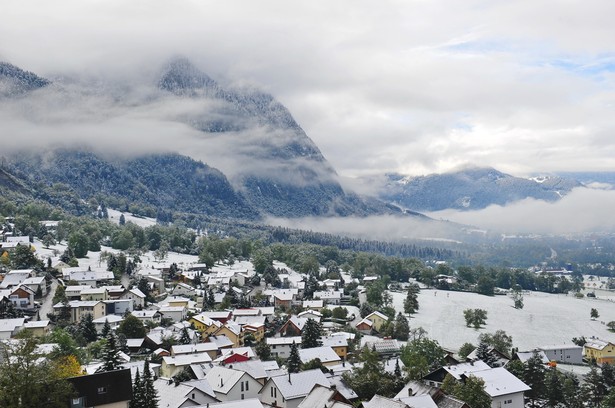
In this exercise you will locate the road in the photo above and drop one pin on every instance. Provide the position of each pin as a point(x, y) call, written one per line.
point(47, 303)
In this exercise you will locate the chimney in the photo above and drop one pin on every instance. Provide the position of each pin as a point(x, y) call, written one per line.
point(221, 382)
point(409, 392)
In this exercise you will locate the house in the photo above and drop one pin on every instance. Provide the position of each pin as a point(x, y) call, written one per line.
point(113, 321)
point(339, 344)
point(37, 283)
point(378, 319)
point(232, 331)
point(110, 389)
point(183, 289)
point(329, 297)
point(10, 327)
point(114, 292)
point(221, 316)
point(204, 324)
point(504, 388)
point(384, 347)
point(185, 394)
point(256, 368)
point(173, 365)
point(600, 351)
point(365, 326)
point(119, 306)
point(137, 297)
point(232, 385)
point(22, 297)
point(280, 346)
point(145, 316)
point(79, 308)
point(73, 292)
point(293, 326)
point(175, 313)
point(288, 391)
point(94, 294)
point(208, 347)
point(92, 278)
point(325, 354)
point(257, 330)
point(524, 356)
point(321, 396)
point(311, 314)
point(38, 328)
point(313, 304)
point(568, 354)
point(16, 277)
point(378, 401)
point(436, 378)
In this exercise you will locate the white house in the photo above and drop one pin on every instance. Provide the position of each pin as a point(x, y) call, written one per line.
point(280, 346)
point(175, 313)
point(10, 327)
point(137, 297)
point(287, 391)
point(569, 353)
point(504, 388)
point(232, 385)
point(325, 354)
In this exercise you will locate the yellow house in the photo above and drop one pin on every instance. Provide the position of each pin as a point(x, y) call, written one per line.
point(232, 331)
point(256, 329)
point(339, 344)
point(180, 301)
point(38, 328)
point(79, 308)
point(378, 319)
point(204, 325)
point(599, 350)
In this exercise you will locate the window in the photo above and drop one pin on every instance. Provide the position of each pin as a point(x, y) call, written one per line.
point(102, 390)
point(247, 385)
point(242, 386)
point(272, 391)
point(242, 396)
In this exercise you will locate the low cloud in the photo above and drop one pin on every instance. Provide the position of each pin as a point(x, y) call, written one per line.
point(582, 210)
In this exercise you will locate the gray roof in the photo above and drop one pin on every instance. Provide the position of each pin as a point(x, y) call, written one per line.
point(446, 401)
point(222, 379)
point(300, 384)
point(419, 401)
point(325, 354)
point(499, 381)
point(381, 402)
point(321, 396)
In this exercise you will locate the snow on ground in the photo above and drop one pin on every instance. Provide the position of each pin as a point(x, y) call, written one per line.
point(114, 216)
point(545, 320)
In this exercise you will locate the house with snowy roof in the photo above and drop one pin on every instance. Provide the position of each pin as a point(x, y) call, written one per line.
point(566, 353)
point(600, 351)
point(232, 385)
point(293, 326)
point(173, 365)
point(288, 391)
point(137, 297)
point(185, 394)
point(280, 346)
point(325, 354)
point(325, 397)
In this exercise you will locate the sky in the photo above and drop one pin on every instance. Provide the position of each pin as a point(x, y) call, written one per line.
point(409, 86)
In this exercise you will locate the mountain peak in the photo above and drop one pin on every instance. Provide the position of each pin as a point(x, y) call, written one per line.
point(181, 77)
point(16, 81)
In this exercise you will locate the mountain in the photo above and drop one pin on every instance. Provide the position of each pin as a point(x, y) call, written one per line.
point(15, 81)
point(470, 189)
point(177, 142)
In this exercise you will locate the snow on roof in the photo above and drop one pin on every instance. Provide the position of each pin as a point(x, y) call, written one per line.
point(320, 396)
point(133, 343)
point(334, 341)
point(267, 310)
point(523, 356)
point(245, 351)
point(419, 401)
point(144, 313)
point(365, 321)
point(216, 315)
point(313, 303)
point(597, 344)
point(246, 312)
point(170, 394)
point(499, 381)
point(109, 318)
point(255, 368)
point(251, 320)
point(328, 294)
point(193, 348)
point(300, 384)
point(466, 368)
point(222, 379)
point(93, 291)
point(562, 347)
point(222, 341)
point(342, 387)
point(201, 385)
point(206, 320)
point(187, 359)
point(298, 321)
point(246, 403)
point(377, 313)
point(37, 324)
point(381, 402)
point(281, 341)
point(137, 292)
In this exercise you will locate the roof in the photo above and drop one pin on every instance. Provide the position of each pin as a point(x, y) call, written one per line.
point(144, 313)
point(109, 318)
point(446, 401)
point(300, 384)
point(298, 321)
point(526, 355)
point(334, 341)
point(137, 292)
point(499, 381)
point(597, 344)
point(255, 368)
point(172, 395)
point(320, 396)
point(246, 312)
point(222, 379)
point(561, 347)
point(280, 341)
point(36, 324)
point(384, 346)
point(343, 388)
point(381, 402)
point(466, 368)
point(365, 321)
point(377, 313)
point(193, 348)
point(246, 403)
point(419, 401)
point(187, 359)
point(325, 354)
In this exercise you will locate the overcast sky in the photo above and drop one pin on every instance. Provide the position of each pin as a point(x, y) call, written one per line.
point(414, 86)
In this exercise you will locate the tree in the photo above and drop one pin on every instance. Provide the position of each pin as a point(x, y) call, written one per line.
point(411, 303)
point(185, 337)
point(138, 392)
point(593, 389)
point(132, 327)
point(484, 353)
point(554, 387)
point(402, 327)
point(466, 349)
point(472, 392)
point(499, 340)
point(23, 257)
point(28, 380)
point(161, 253)
point(110, 354)
point(150, 394)
point(106, 329)
point(370, 378)
point(263, 350)
point(88, 328)
point(594, 314)
point(534, 377)
point(294, 362)
point(78, 242)
point(517, 297)
point(310, 336)
point(475, 317)
point(421, 356)
point(339, 312)
point(122, 219)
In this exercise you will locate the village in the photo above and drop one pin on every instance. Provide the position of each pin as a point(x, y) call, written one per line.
point(221, 336)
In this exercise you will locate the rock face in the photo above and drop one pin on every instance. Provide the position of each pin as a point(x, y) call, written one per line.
point(470, 189)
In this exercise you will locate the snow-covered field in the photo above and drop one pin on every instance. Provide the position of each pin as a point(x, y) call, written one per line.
point(114, 216)
point(545, 319)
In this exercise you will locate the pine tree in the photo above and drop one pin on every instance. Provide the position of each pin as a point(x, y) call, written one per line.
point(534, 377)
point(402, 327)
point(473, 393)
point(411, 303)
point(397, 371)
point(88, 328)
point(211, 300)
point(294, 362)
point(110, 354)
point(593, 389)
point(150, 393)
point(483, 353)
point(608, 375)
point(138, 391)
point(555, 388)
point(310, 337)
point(106, 329)
point(185, 337)
point(263, 350)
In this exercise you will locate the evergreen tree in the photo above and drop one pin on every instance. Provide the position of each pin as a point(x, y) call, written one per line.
point(365, 309)
point(138, 391)
point(211, 300)
point(110, 354)
point(484, 353)
point(397, 371)
point(555, 389)
point(106, 329)
point(534, 377)
point(608, 375)
point(593, 389)
point(294, 362)
point(132, 327)
point(263, 350)
point(402, 327)
point(185, 337)
point(88, 328)
point(411, 303)
point(594, 314)
point(150, 394)
point(310, 337)
point(122, 219)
